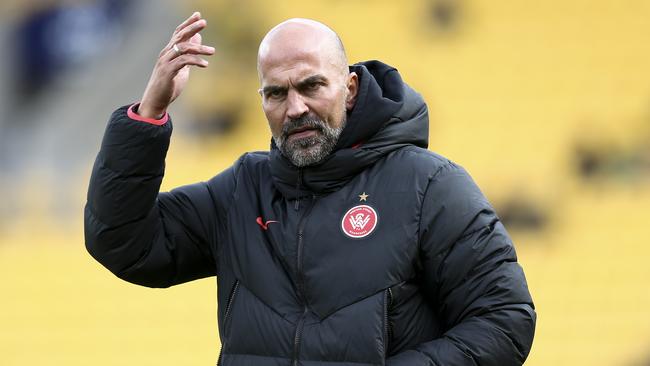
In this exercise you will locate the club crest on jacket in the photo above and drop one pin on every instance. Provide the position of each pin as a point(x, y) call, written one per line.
point(359, 222)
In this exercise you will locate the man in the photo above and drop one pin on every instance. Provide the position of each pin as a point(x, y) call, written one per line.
point(347, 244)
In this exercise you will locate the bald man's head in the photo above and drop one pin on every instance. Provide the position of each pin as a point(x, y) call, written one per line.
point(306, 88)
point(298, 35)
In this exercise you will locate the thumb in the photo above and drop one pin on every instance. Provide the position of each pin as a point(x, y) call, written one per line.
point(196, 39)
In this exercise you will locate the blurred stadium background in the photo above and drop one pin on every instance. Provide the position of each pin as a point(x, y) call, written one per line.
point(546, 103)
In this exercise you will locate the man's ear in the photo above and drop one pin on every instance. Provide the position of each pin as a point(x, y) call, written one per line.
point(353, 89)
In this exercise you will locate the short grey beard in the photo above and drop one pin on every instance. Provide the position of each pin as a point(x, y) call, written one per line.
point(309, 150)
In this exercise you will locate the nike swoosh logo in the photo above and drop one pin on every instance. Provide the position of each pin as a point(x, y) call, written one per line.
point(264, 225)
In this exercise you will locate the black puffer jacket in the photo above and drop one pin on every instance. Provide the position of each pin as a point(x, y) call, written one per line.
point(385, 253)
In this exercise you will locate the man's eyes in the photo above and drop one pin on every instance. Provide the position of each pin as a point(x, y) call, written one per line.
point(275, 94)
point(312, 86)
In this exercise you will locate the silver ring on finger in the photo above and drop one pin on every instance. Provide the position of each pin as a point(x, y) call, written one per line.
point(177, 50)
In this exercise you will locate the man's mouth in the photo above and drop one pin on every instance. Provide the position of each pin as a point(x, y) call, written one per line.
point(302, 132)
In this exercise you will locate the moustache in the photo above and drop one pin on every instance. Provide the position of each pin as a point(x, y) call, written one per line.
point(305, 122)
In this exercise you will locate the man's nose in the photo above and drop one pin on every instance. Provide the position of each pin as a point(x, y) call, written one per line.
point(296, 106)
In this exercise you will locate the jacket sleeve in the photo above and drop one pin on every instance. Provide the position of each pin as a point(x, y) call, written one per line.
point(472, 278)
point(143, 236)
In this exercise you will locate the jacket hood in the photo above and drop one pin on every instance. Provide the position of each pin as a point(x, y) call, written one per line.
point(388, 115)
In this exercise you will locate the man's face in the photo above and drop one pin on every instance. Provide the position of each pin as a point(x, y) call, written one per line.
point(304, 99)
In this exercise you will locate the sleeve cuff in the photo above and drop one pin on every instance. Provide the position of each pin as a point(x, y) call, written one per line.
point(134, 116)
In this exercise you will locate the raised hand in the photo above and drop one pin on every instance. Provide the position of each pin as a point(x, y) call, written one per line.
point(172, 70)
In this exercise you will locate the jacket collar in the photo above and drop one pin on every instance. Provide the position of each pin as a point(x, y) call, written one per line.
point(379, 102)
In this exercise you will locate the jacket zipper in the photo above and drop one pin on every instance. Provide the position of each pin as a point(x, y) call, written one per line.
point(297, 204)
point(298, 334)
point(231, 299)
point(300, 282)
point(388, 331)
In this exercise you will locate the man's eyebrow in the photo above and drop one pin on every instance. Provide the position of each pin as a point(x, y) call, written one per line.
point(318, 78)
point(272, 88)
point(310, 80)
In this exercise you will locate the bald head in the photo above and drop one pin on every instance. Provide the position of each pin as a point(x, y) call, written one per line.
point(298, 36)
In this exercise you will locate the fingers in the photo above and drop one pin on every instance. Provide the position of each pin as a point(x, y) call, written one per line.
point(193, 18)
point(187, 48)
point(185, 40)
point(188, 32)
point(186, 60)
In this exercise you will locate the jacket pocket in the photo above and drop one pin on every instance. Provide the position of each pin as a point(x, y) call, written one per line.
point(226, 320)
point(412, 320)
point(388, 327)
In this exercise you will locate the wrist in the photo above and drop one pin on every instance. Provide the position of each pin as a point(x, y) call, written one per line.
point(133, 112)
point(147, 111)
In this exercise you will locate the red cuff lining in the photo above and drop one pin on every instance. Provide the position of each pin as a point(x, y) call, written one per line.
point(158, 122)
